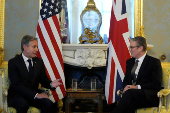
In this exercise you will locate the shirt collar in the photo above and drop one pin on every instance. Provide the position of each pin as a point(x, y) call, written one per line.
point(25, 58)
point(141, 58)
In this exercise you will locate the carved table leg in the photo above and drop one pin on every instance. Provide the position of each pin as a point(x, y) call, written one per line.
point(68, 102)
point(99, 101)
point(100, 106)
point(67, 106)
point(68, 110)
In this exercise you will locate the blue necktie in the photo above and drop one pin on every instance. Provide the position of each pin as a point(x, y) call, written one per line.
point(30, 69)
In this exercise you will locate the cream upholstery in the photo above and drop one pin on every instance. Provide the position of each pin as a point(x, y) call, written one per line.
point(5, 87)
point(1, 99)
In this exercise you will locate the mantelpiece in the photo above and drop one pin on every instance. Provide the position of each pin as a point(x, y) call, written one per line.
point(85, 55)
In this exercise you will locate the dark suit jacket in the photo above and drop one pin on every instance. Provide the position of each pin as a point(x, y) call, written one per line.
point(149, 76)
point(21, 84)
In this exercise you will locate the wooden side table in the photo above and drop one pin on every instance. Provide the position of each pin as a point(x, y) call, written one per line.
point(95, 96)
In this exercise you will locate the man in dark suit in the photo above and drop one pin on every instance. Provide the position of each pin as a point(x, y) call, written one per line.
point(142, 79)
point(25, 72)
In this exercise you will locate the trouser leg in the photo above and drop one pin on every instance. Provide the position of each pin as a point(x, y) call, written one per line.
point(125, 104)
point(46, 105)
point(20, 104)
point(131, 100)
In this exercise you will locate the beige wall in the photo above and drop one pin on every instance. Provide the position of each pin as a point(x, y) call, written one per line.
point(157, 26)
point(21, 18)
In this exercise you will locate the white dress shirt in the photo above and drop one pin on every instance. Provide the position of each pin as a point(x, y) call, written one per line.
point(26, 61)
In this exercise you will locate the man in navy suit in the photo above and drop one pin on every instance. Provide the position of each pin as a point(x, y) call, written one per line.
point(142, 79)
point(25, 72)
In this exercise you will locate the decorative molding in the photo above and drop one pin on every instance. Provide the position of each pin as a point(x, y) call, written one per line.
point(2, 29)
point(82, 46)
point(90, 57)
point(85, 55)
point(139, 18)
point(90, 5)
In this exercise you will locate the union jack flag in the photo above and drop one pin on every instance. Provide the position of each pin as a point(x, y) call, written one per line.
point(49, 43)
point(117, 52)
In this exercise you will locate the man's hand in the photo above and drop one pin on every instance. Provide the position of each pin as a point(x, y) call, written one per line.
point(129, 87)
point(42, 95)
point(56, 83)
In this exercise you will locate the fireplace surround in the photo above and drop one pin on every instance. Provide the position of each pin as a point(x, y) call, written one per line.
point(83, 62)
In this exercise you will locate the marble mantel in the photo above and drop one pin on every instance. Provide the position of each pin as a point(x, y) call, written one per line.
point(85, 55)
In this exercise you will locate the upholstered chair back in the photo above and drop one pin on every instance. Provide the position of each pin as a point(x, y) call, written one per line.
point(6, 84)
point(164, 101)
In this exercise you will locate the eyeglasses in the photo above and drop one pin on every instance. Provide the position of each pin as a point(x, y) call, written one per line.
point(131, 47)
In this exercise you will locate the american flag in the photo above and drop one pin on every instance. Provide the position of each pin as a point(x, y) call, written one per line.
point(118, 51)
point(49, 43)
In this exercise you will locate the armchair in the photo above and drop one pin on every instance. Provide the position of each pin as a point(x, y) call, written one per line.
point(163, 94)
point(4, 92)
point(5, 86)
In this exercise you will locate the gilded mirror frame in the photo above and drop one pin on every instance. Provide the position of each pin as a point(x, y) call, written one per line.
point(2, 29)
point(138, 23)
point(139, 18)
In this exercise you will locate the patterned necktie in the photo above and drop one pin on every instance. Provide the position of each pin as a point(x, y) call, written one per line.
point(30, 69)
point(133, 72)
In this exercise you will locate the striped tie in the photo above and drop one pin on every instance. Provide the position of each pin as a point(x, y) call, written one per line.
point(133, 72)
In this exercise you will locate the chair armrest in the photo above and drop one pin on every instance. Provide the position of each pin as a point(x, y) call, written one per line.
point(5, 93)
point(163, 93)
point(1, 92)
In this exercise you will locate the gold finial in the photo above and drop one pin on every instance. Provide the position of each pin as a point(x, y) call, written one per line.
point(91, 4)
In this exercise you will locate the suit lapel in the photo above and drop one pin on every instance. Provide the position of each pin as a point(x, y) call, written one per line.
point(34, 69)
point(23, 67)
point(130, 65)
point(143, 66)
